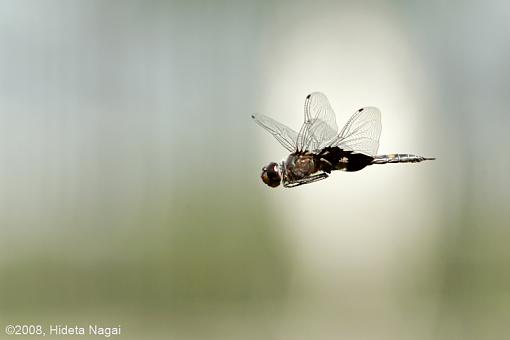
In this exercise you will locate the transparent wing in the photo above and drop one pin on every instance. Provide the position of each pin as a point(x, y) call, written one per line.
point(319, 126)
point(361, 133)
point(284, 134)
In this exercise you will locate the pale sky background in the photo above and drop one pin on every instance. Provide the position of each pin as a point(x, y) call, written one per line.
point(129, 159)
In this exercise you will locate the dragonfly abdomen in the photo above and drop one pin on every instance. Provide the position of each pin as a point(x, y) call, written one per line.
point(399, 158)
point(334, 158)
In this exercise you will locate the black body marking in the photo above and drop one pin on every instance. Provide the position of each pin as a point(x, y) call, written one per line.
point(334, 157)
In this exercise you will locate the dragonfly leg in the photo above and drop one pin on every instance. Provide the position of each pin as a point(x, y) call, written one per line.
point(306, 180)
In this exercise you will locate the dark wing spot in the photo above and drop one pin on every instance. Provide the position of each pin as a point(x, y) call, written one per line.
point(361, 109)
point(308, 97)
point(253, 116)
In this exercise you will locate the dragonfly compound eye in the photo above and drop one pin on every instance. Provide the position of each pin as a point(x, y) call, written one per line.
point(270, 175)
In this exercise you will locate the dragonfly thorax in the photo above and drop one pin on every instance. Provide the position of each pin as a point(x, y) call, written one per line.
point(300, 165)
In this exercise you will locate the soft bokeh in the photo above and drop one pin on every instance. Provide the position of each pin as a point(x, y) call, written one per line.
point(129, 176)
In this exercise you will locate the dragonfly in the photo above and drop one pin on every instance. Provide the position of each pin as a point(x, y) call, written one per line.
point(318, 148)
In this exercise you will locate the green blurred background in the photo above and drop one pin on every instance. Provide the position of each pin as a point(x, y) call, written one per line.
point(129, 178)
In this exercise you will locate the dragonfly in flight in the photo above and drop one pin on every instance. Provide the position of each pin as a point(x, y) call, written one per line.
point(318, 148)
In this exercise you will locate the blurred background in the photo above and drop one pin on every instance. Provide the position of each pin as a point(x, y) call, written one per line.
point(129, 169)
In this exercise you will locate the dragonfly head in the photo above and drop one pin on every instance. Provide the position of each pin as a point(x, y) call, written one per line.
point(271, 175)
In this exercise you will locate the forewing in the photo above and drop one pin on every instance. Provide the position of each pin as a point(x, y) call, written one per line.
point(283, 134)
point(319, 126)
point(361, 133)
